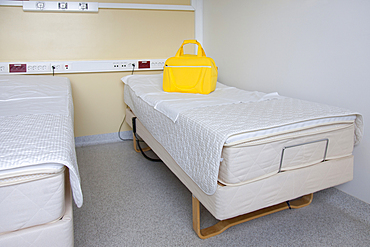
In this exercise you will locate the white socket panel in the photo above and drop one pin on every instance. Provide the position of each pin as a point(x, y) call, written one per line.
point(83, 66)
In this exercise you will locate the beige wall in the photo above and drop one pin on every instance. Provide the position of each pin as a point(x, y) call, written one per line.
point(109, 34)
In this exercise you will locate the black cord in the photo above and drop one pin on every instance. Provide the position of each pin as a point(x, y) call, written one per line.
point(119, 131)
point(138, 142)
point(133, 68)
point(53, 67)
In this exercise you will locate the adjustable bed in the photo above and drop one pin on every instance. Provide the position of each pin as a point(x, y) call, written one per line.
point(243, 154)
point(38, 166)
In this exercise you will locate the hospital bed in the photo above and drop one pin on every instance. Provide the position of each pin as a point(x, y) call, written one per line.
point(38, 167)
point(243, 154)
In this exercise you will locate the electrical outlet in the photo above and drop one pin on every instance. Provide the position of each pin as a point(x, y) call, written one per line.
point(57, 67)
point(129, 65)
point(158, 64)
point(83, 6)
point(62, 5)
point(3, 69)
point(122, 66)
point(35, 67)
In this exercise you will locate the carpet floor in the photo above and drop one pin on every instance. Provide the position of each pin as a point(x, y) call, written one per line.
point(130, 201)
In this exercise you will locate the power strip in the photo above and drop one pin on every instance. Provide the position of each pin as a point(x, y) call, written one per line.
point(80, 66)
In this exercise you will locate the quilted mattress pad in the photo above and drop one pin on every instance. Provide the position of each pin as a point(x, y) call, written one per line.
point(36, 128)
point(197, 137)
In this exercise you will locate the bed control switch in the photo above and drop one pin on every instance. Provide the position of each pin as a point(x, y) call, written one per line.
point(17, 68)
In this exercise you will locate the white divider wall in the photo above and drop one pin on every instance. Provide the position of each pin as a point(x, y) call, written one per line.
point(313, 50)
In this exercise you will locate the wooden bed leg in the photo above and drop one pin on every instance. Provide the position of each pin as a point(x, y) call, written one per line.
point(136, 148)
point(225, 224)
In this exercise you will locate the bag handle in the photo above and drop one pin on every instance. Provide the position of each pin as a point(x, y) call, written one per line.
point(200, 52)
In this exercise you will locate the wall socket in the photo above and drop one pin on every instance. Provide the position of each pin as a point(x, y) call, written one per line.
point(38, 67)
point(124, 65)
point(3, 69)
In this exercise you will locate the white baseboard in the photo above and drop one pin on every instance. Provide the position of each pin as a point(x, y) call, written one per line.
point(102, 139)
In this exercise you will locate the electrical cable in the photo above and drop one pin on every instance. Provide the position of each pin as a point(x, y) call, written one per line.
point(53, 67)
point(134, 132)
point(119, 130)
point(133, 68)
point(138, 142)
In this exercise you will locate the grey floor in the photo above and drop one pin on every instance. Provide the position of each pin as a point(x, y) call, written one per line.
point(129, 201)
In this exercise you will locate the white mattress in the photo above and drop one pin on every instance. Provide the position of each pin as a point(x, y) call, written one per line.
point(202, 132)
point(58, 232)
point(36, 129)
point(31, 197)
point(231, 201)
point(265, 157)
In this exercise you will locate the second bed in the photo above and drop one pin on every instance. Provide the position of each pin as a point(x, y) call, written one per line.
point(238, 151)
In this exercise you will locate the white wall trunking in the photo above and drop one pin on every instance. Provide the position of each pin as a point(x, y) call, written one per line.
point(80, 66)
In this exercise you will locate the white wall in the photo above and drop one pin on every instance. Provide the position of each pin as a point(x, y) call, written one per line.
point(308, 49)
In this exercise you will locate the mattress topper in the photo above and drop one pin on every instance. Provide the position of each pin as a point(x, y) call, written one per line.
point(34, 138)
point(196, 139)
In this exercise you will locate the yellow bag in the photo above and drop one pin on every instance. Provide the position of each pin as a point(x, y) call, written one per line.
point(190, 73)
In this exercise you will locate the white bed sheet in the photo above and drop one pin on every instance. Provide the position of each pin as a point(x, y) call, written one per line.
point(21, 95)
point(202, 132)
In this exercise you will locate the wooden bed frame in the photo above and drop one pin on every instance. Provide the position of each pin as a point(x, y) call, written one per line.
point(222, 225)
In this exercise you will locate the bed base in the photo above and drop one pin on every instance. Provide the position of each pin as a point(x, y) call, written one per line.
point(222, 225)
